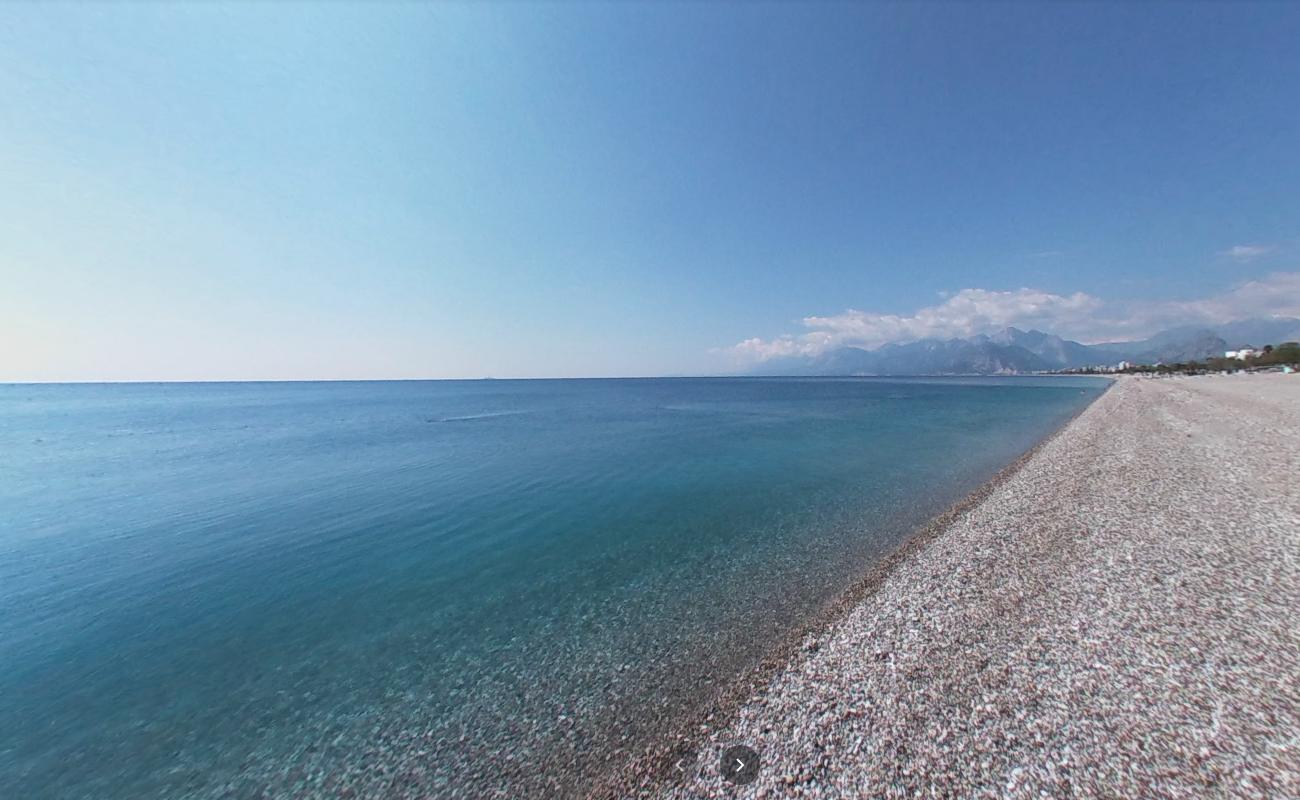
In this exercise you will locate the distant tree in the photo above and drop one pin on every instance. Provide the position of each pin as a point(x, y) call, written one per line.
point(1285, 353)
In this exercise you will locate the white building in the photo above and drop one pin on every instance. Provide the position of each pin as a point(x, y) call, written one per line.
point(1246, 352)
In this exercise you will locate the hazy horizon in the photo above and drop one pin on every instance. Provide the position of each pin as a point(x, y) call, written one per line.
point(421, 192)
point(754, 370)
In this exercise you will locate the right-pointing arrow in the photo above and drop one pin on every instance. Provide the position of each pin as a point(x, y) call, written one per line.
point(739, 765)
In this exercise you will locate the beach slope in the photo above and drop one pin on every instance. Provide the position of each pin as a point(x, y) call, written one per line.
point(1118, 618)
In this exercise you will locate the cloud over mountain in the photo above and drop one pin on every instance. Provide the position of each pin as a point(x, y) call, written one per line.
point(1077, 316)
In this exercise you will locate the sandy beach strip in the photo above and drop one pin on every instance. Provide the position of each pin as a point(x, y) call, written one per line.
point(1120, 617)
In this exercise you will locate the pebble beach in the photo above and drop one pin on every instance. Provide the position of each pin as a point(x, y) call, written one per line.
point(1119, 616)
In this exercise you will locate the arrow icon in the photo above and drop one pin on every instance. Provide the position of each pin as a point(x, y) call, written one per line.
point(739, 765)
point(685, 763)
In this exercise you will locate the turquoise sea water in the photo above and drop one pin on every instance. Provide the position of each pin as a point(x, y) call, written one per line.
point(437, 588)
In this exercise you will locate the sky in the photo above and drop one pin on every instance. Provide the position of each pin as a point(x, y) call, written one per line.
point(217, 192)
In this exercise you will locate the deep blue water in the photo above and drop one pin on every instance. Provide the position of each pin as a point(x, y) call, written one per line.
point(241, 590)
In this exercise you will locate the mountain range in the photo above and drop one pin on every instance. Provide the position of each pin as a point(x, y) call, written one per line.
point(1012, 351)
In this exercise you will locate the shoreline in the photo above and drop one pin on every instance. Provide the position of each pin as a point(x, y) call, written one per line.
point(653, 771)
point(1016, 644)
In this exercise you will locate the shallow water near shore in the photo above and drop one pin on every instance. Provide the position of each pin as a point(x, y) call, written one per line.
point(227, 590)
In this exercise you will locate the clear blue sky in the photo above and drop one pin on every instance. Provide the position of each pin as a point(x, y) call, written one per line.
point(372, 190)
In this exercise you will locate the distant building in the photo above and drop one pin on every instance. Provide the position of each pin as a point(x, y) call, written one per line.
point(1245, 352)
point(1123, 365)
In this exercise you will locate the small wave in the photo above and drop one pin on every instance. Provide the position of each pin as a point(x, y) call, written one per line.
point(485, 415)
point(708, 408)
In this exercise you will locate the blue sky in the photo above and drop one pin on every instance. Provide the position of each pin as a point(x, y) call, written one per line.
point(366, 191)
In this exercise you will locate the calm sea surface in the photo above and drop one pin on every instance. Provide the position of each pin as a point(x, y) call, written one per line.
point(243, 590)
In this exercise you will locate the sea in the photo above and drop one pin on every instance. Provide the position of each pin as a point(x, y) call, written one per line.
point(440, 588)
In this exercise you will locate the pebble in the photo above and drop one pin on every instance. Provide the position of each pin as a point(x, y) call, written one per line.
point(1125, 599)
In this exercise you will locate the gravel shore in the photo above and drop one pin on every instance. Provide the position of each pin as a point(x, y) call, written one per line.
point(1118, 618)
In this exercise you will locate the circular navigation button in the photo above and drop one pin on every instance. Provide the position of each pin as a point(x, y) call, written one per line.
point(739, 765)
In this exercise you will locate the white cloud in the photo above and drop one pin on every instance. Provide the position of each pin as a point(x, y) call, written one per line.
point(1248, 252)
point(1277, 295)
point(1077, 316)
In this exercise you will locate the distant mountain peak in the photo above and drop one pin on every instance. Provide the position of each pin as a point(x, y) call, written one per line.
point(1012, 350)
